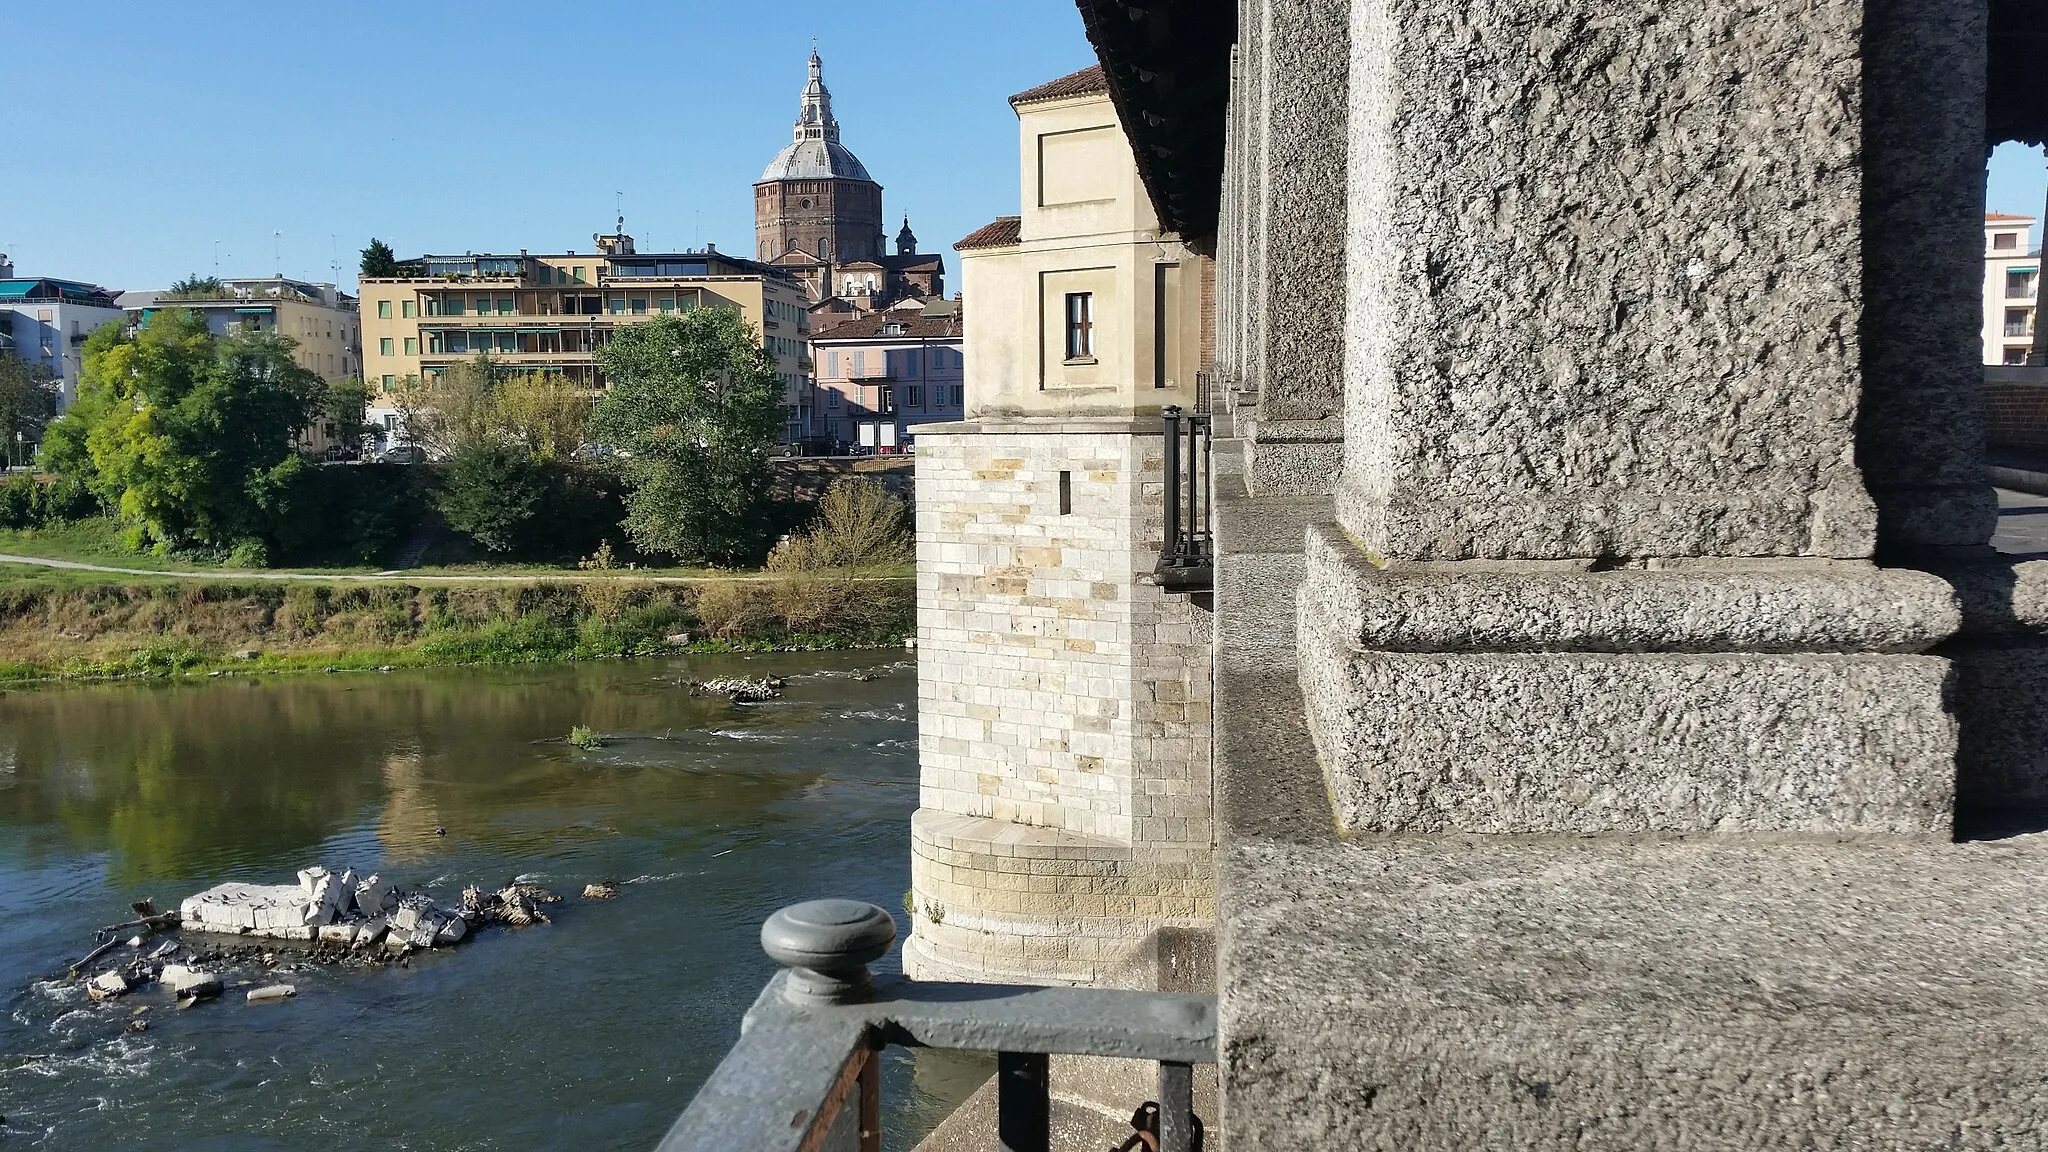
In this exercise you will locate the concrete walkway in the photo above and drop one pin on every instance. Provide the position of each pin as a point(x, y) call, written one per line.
point(397, 575)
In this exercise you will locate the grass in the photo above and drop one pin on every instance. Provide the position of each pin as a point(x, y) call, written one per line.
point(98, 542)
point(67, 625)
point(585, 737)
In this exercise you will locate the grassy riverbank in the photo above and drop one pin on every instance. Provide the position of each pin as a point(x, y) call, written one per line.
point(82, 625)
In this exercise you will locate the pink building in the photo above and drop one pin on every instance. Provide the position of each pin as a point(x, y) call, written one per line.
point(881, 375)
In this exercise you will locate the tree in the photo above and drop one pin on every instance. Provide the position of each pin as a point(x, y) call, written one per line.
point(380, 261)
point(693, 408)
point(481, 401)
point(197, 286)
point(347, 408)
point(491, 492)
point(28, 400)
point(545, 411)
point(190, 437)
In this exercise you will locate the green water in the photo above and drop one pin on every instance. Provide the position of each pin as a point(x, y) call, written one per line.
point(589, 1033)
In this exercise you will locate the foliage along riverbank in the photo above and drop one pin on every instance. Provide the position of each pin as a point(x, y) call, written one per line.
point(64, 627)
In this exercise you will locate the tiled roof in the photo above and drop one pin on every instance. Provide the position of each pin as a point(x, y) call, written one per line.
point(1085, 82)
point(914, 328)
point(2002, 218)
point(1000, 233)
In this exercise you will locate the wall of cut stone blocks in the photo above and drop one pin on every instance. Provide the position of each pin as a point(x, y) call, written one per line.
point(1063, 704)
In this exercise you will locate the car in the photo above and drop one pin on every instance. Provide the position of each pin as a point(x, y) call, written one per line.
point(403, 454)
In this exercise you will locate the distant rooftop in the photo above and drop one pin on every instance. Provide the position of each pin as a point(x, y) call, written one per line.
point(2002, 218)
point(875, 326)
point(52, 290)
point(1001, 232)
point(1086, 82)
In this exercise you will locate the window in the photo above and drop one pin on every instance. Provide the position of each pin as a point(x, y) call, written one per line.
point(1080, 325)
point(384, 347)
point(618, 305)
point(860, 364)
point(576, 273)
point(639, 305)
point(388, 382)
point(2006, 241)
point(668, 305)
point(505, 306)
point(453, 305)
point(834, 402)
point(508, 342)
point(1066, 493)
point(959, 395)
point(383, 309)
point(2020, 283)
point(2015, 355)
point(2016, 321)
point(547, 274)
point(913, 396)
point(412, 345)
point(405, 309)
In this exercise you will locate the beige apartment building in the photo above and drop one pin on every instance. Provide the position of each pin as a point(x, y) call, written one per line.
point(322, 320)
point(2012, 288)
point(552, 312)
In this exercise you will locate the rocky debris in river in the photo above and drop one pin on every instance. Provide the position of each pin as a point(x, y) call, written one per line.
point(740, 689)
point(272, 992)
point(602, 890)
point(189, 983)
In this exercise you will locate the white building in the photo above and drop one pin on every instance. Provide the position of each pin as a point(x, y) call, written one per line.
point(46, 321)
point(2012, 288)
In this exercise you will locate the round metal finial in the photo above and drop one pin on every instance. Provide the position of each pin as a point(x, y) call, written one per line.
point(827, 946)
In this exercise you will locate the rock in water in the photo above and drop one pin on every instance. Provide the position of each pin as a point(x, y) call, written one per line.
point(602, 890)
point(107, 985)
point(188, 983)
point(272, 992)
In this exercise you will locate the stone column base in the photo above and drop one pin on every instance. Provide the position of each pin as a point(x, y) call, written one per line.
point(999, 902)
point(1704, 696)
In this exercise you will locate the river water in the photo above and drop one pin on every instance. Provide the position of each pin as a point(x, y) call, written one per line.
point(588, 1033)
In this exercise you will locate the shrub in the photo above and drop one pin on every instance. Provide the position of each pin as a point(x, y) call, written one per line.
point(250, 553)
point(67, 498)
point(585, 737)
point(859, 525)
point(733, 609)
point(21, 503)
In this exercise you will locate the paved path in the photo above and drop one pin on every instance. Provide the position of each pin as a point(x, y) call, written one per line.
point(329, 578)
point(2022, 524)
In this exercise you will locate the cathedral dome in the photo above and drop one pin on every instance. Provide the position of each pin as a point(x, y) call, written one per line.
point(815, 153)
point(815, 160)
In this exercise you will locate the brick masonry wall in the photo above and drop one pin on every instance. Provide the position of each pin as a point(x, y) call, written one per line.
point(2016, 416)
point(1063, 707)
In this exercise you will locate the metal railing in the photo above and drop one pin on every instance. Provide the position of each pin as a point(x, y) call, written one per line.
point(805, 1075)
point(1187, 555)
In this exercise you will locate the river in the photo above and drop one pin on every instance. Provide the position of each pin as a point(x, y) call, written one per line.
point(588, 1033)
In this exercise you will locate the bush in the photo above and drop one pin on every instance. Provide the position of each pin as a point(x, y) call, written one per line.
point(585, 737)
point(67, 498)
point(21, 503)
point(490, 493)
point(251, 553)
point(859, 525)
point(733, 609)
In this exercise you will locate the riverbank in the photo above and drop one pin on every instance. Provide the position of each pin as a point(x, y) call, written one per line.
point(77, 625)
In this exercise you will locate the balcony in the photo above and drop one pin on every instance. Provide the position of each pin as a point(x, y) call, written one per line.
point(805, 1074)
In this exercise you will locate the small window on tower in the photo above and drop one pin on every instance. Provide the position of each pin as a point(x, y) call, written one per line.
point(807, 203)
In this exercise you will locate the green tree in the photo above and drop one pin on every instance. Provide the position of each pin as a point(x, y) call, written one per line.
point(491, 493)
point(545, 411)
point(28, 400)
point(190, 437)
point(348, 408)
point(197, 286)
point(693, 408)
point(380, 261)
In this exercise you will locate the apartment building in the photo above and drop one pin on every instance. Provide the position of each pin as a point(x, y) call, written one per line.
point(322, 320)
point(552, 312)
point(2012, 288)
point(881, 376)
point(45, 321)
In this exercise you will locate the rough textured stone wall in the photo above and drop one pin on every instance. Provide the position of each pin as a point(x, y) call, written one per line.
point(1063, 705)
point(1605, 300)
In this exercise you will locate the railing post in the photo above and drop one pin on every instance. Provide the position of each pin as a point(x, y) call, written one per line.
point(1023, 1102)
point(1176, 1107)
point(1170, 418)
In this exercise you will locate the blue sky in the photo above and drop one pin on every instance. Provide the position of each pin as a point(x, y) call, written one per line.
point(142, 133)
